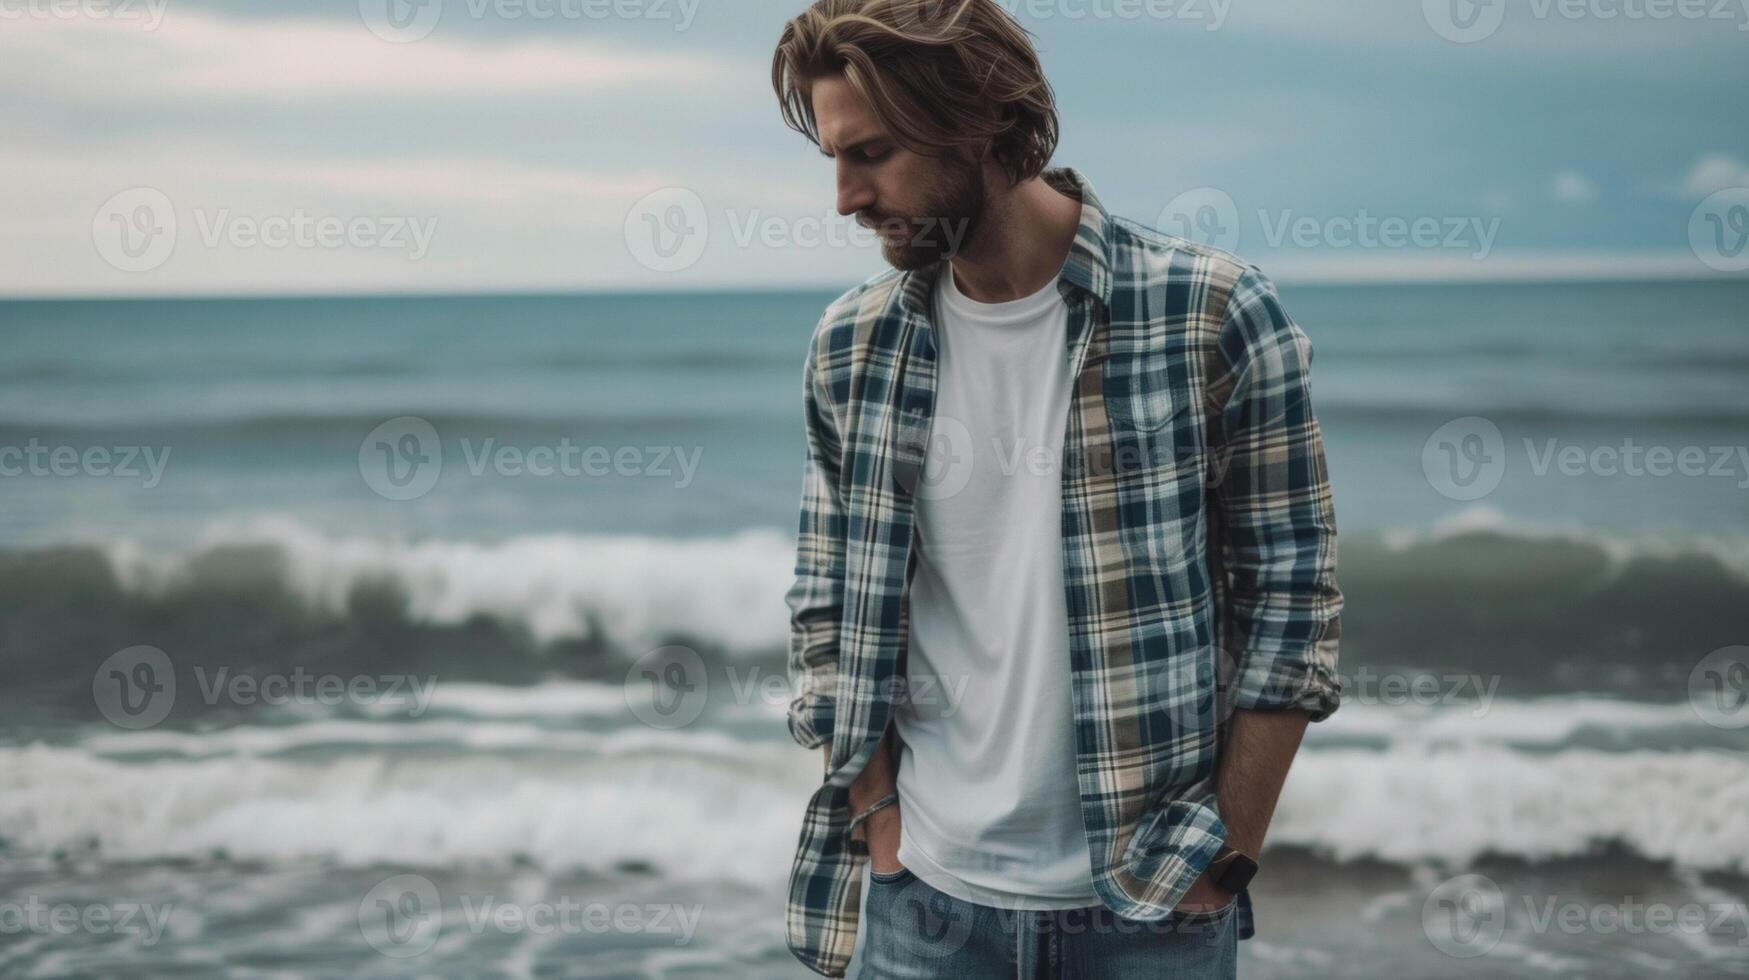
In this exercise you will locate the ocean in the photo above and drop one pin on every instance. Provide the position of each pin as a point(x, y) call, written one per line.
point(444, 636)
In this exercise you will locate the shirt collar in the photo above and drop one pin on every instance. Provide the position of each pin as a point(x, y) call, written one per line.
point(1088, 266)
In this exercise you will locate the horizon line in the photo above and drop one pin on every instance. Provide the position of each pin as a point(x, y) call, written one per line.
point(1558, 275)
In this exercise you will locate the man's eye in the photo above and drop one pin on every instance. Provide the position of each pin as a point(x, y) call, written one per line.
point(875, 156)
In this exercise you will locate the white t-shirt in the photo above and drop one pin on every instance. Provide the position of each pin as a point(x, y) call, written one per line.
point(991, 810)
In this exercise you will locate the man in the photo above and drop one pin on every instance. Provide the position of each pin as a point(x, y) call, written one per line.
point(1064, 597)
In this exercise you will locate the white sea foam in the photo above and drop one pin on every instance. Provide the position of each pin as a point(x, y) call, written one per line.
point(1526, 723)
point(1420, 803)
point(555, 699)
point(634, 591)
point(451, 735)
point(1618, 548)
point(702, 803)
point(637, 589)
point(686, 814)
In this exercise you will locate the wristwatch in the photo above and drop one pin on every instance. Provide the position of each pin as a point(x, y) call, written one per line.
point(1232, 869)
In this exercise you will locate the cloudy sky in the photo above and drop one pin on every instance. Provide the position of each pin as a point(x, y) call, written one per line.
point(176, 147)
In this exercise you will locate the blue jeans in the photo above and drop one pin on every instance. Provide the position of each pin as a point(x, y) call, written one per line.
point(916, 931)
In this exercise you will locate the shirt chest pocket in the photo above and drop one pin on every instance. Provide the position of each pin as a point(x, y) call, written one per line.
point(1142, 393)
point(1157, 474)
point(1156, 438)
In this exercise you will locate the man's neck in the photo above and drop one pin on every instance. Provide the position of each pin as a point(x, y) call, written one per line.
point(1020, 245)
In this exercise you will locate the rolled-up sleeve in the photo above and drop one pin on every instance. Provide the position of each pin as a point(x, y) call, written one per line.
point(1278, 525)
point(816, 598)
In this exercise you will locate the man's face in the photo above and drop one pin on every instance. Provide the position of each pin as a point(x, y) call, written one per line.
point(925, 208)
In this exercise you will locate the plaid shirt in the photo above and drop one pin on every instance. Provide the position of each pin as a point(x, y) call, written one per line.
point(1199, 550)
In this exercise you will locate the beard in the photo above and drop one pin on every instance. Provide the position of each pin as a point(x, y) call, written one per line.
point(950, 214)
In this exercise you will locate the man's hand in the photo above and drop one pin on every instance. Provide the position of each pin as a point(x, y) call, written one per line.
point(880, 830)
point(1204, 896)
point(1254, 764)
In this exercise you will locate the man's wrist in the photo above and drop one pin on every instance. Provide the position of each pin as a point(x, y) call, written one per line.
point(857, 831)
point(1231, 869)
point(891, 797)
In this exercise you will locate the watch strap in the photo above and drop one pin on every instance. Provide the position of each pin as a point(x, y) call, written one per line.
point(1232, 869)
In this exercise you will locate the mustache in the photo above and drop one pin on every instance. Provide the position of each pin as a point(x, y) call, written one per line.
point(875, 222)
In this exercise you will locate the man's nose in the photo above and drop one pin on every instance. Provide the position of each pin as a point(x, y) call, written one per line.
point(853, 194)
